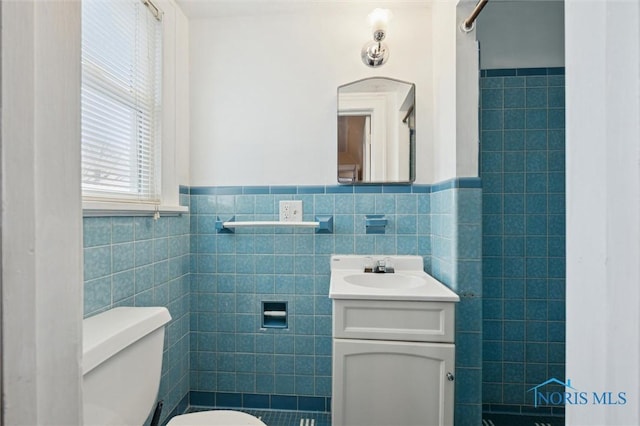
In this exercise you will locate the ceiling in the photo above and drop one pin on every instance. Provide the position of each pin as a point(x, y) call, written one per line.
point(195, 9)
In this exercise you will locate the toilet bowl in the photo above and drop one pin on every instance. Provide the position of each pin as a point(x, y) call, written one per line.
point(215, 418)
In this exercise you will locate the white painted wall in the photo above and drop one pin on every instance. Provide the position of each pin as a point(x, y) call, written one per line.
point(603, 206)
point(444, 88)
point(181, 107)
point(175, 126)
point(455, 86)
point(467, 97)
point(263, 88)
point(510, 34)
point(41, 213)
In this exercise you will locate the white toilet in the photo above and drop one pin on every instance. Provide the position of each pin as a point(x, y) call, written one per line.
point(216, 417)
point(121, 367)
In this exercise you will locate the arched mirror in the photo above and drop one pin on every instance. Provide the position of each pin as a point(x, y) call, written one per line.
point(376, 131)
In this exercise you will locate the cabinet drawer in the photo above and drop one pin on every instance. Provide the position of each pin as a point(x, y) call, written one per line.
point(393, 320)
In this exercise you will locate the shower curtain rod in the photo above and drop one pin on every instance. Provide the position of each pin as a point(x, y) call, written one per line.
point(467, 24)
point(406, 117)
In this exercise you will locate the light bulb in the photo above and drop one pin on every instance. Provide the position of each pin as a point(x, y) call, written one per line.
point(379, 19)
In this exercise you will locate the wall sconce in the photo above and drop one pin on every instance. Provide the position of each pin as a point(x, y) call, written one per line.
point(375, 52)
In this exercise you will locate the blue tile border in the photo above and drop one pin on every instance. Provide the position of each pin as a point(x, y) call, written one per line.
point(204, 190)
point(259, 401)
point(464, 182)
point(555, 71)
point(255, 190)
point(421, 189)
point(256, 401)
point(498, 73)
point(442, 186)
point(396, 189)
point(342, 189)
point(513, 72)
point(206, 399)
point(284, 189)
point(227, 190)
point(469, 182)
point(523, 410)
point(460, 182)
point(368, 189)
point(224, 399)
point(311, 190)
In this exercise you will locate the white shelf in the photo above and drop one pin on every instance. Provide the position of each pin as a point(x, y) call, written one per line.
point(322, 224)
point(270, 223)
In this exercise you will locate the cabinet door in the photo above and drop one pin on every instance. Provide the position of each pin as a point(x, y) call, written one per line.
point(378, 382)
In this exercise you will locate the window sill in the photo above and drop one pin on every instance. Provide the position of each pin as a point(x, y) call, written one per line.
point(100, 208)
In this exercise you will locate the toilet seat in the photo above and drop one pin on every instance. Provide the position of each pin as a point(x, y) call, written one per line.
point(215, 418)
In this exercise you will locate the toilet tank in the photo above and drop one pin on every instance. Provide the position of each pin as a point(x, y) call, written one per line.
point(122, 364)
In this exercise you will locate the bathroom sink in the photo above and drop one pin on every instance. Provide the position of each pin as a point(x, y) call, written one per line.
point(392, 324)
point(394, 280)
point(408, 281)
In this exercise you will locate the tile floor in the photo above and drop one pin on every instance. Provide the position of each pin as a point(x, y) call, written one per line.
point(283, 417)
point(499, 419)
point(314, 418)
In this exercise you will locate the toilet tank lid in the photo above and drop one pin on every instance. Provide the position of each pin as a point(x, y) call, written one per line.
point(107, 333)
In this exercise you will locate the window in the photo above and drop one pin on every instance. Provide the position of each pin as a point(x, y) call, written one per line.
point(121, 101)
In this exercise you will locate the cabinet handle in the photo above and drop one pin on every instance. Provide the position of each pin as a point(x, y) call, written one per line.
point(450, 377)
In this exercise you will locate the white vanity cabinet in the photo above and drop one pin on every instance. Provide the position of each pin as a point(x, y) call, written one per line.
point(380, 377)
point(393, 354)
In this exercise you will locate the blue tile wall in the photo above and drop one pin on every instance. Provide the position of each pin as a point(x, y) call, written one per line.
point(456, 260)
point(233, 359)
point(234, 273)
point(223, 278)
point(138, 261)
point(523, 173)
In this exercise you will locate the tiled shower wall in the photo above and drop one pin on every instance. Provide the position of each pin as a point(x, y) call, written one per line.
point(138, 261)
point(523, 174)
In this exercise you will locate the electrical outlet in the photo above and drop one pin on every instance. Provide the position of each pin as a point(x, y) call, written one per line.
point(291, 211)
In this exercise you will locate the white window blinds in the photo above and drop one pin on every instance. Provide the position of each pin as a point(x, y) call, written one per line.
point(121, 105)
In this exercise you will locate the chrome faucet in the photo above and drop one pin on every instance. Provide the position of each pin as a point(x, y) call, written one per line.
point(383, 266)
